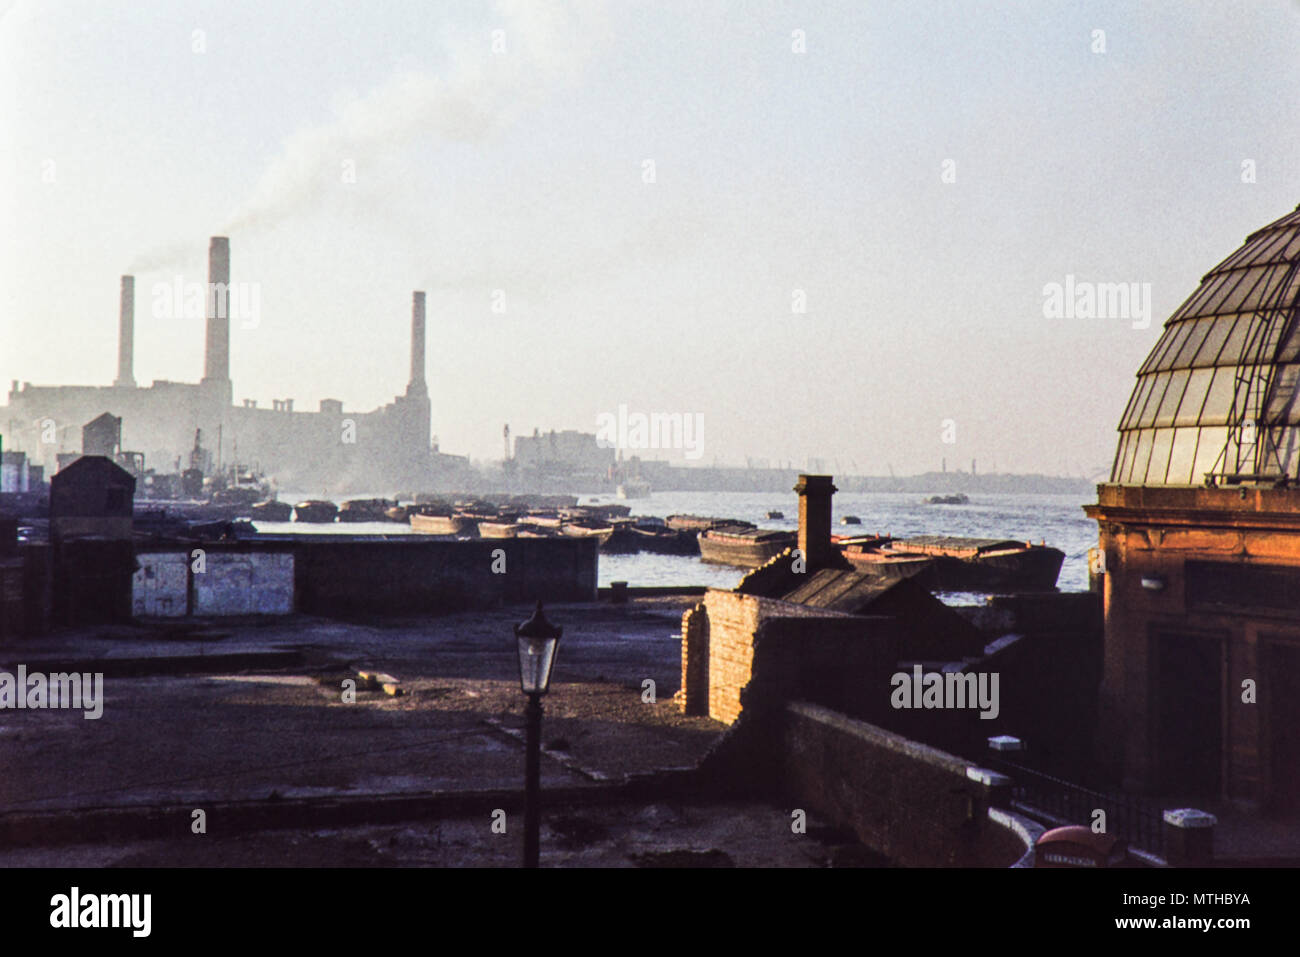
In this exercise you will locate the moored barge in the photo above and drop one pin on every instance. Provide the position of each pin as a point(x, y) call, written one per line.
point(744, 547)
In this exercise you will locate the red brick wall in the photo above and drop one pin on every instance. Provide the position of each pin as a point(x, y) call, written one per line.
point(836, 659)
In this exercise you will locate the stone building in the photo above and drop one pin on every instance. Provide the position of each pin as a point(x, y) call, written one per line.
point(568, 453)
point(91, 534)
point(1200, 543)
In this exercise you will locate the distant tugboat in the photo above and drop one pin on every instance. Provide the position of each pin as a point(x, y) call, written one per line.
point(776, 515)
point(315, 511)
point(957, 499)
point(634, 488)
point(850, 520)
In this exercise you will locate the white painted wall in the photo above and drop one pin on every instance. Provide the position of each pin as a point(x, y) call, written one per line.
point(159, 589)
point(251, 584)
point(230, 584)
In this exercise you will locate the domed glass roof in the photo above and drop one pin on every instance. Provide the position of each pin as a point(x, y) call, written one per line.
point(1216, 400)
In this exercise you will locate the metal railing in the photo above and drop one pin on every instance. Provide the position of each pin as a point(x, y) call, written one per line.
point(1128, 816)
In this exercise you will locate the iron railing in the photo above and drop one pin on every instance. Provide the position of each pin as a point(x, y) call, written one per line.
point(1128, 816)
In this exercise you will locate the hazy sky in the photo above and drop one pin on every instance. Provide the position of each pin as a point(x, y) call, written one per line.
point(354, 152)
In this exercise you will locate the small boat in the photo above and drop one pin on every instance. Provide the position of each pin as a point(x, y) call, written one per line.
point(957, 499)
point(596, 511)
point(663, 540)
point(239, 528)
point(240, 487)
point(776, 515)
point(433, 523)
point(624, 540)
point(586, 528)
point(546, 518)
point(744, 547)
point(700, 523)
point(499, 528)
point(316, 511)
point(527, 530)
point(272, 511)
point(633, 488)
point(871, 553)
point(850, 520)
point(364, 510)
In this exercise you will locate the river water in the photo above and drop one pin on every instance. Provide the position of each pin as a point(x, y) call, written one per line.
point(1056, 519)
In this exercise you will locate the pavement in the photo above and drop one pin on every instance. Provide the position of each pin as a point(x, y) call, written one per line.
point(226, 716)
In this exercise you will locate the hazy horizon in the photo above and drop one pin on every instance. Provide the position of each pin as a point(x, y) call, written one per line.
point(916, 175)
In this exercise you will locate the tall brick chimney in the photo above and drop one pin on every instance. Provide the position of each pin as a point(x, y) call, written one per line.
point(216, 354)
point(815, 493)
point(126, 336)
point(417, 384)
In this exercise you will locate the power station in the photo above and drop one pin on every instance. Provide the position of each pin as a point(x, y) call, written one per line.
point(382, 450)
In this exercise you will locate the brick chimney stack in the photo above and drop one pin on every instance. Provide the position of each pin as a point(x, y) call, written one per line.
point(815, 493)
point(417, 384)
point(126, 336)
point(216, 352)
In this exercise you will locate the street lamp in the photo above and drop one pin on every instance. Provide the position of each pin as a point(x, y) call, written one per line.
point(538, 642)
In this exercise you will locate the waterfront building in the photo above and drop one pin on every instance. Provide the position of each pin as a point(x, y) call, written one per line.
point(1200, 543)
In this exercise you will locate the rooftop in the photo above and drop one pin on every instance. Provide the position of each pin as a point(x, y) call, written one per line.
point(1216, 398)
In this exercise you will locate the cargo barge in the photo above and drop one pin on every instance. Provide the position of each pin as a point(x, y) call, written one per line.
point(960, 564)
point(743, 547)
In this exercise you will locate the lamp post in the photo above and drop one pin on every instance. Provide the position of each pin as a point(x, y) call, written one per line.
point(538, 642)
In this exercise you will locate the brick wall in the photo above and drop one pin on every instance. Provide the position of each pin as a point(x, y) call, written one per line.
point(839, 660)
point(916, 805)
point(695, 661)
point(1154, 533)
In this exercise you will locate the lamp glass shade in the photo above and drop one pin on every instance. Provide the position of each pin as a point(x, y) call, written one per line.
point(536, 658)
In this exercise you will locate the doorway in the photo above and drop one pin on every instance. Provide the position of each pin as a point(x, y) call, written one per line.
point(1189, 693)
point(1283, 716)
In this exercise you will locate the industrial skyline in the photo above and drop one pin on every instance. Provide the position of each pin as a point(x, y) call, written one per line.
point(322, 446)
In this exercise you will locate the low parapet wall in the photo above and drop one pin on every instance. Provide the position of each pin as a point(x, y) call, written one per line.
point(911, 803)
point(916, 805)
point(366, 577)
point(318, 575)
